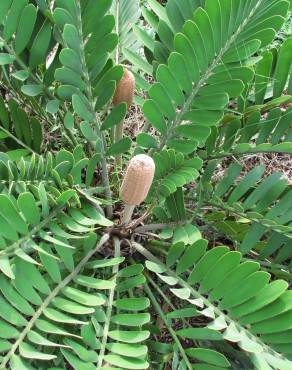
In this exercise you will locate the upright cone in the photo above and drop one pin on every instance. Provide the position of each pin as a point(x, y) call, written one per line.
point(125, 89)
point(138, 180)
point(124, 94)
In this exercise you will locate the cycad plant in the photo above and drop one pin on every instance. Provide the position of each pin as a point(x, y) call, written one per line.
point(149, 251)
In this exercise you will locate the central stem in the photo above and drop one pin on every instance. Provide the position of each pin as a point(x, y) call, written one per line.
point(127, 214)
point(109, 309)
point(91, 100)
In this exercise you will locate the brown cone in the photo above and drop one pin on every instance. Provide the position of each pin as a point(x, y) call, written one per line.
point(125, 89)
point(138, 179)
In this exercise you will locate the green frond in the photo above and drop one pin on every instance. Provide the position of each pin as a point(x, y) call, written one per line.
point(86, 29)
point(37, 40)
point(272, 78)
point(165, 352)
point(173, 171)
point(254, 211)
point(18, 126)
point(252, 134)
point(165, 22)
point(243, 306)
point(158, 40)
point(127, 14)
point(50, 311)
point(206, 65)
point(59, 307)
point(27, 70)
point(35, 223)
point(44, 206)
point(57, 173)
point(88, 77)
point(124, 336)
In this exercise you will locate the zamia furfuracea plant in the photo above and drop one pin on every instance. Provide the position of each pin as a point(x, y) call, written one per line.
point(145, 185)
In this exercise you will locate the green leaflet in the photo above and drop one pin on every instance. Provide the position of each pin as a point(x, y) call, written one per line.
point(120, 147)
point(6, 59)
point(283, 68)
point(116, 116)
point(25, 27)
